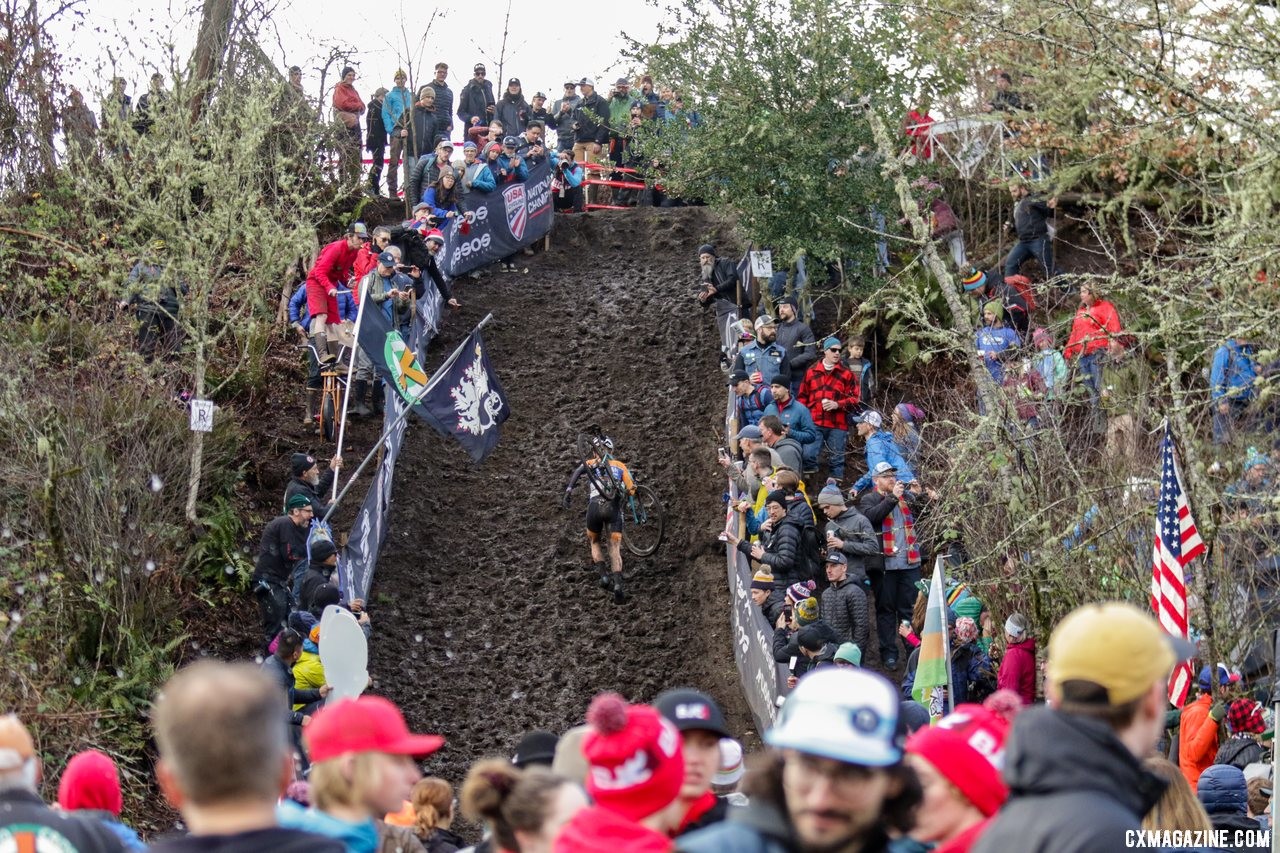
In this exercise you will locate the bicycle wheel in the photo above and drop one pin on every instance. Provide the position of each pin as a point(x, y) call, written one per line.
point(597, 470)
point(329, 419)
point(644, 522)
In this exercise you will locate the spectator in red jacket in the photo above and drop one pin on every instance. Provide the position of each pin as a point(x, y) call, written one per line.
point(330, 272)
point(1095, 322)
point(1200, 725)
point(367, 257)
point(1018, 668)
point(348, 106)
point(830, 392)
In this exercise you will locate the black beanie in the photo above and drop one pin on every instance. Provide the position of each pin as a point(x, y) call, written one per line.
point(301, 463)
point(707, 249)
point(321, 550)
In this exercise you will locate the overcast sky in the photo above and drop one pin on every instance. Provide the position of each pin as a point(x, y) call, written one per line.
point(547, 43)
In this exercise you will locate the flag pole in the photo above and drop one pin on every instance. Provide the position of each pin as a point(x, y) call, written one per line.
point(404, 413)
point(946, 633)
point(346, 393)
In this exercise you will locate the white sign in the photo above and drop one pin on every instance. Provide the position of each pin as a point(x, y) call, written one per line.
point(762, 264)
point(202, 416)
point(344, 652)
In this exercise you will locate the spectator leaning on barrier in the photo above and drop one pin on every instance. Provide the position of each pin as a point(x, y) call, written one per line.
point(833, 779)
point(224, 761)
point(766, 595)
point(1074, 770)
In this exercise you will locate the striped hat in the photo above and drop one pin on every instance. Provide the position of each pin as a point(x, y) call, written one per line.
point(762, 580)
point(806, 612)
point(975, 280)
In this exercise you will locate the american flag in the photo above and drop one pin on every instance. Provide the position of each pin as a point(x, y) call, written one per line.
point(1177, 543)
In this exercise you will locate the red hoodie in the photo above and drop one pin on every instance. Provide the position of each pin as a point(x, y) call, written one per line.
point(1018, 670)
point(595, 829)
point(1092, 329)
point(327, 275)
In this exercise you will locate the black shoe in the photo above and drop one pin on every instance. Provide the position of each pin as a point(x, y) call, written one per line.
point(619, 596)
point(606, 577)
point(891, 661)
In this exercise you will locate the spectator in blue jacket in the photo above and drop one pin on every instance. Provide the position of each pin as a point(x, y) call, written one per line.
point(995, 341)
point(752, 400)
point(397, 112)
point(881, 447)
point(1231, 385)
point(567, 183)
point(300, 321)
point(796, 418)
point(762, 359)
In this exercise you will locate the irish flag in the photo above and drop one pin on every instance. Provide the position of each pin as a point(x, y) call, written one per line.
point(934, 666)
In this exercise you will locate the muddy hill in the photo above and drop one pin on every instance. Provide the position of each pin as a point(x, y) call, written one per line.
point(488, 620)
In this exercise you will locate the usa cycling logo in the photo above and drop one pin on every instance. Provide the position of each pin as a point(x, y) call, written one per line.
point(517, 210)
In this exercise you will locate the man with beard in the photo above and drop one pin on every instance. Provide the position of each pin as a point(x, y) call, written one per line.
point(720, 288)
point(834, 780)
point(283, 546)
point(795, 336)
point(310, 483)
point(763, 358)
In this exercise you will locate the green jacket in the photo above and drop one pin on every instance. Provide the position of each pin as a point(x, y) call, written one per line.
point(147, 287)
point(619, 114)
point(1125, 384)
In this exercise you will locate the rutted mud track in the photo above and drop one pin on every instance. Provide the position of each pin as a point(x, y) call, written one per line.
point(487, 620)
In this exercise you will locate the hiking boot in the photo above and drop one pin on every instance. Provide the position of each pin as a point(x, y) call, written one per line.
point(358, 390)
point(619, 596)
point(313, 406)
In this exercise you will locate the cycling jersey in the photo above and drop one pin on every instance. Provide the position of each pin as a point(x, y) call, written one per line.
point(620, 474)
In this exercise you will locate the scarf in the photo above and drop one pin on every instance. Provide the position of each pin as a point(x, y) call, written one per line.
point(909, 528)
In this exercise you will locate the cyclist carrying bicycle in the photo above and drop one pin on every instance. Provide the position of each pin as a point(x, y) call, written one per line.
point(604, 512)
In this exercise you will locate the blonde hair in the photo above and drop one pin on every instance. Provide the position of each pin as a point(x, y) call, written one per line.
point(330, 786)
point(1177, 807)
point(432, 800)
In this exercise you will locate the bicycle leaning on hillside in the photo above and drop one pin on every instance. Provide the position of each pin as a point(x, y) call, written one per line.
point(643, 516)
point(333, 382)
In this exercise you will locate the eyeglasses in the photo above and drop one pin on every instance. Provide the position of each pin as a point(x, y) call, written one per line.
point(382, 241)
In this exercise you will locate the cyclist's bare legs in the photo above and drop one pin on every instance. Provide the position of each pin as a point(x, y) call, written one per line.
point(597, 553)
point(615, 552)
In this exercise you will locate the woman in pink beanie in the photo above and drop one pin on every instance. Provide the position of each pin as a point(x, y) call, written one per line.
point(958, 762)
point(91, 785)
point(635, 770)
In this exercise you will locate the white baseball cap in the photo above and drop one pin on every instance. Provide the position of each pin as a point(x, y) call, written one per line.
point(847, 715)
point(731, 768)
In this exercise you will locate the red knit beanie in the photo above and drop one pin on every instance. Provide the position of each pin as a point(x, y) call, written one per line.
point(967, 747)
point(90, 782)
point(636, 763)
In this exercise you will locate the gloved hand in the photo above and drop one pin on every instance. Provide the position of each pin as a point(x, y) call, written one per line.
point(564, 502)
point(1218, 711)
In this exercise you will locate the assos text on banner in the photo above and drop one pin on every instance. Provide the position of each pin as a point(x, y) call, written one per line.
point(506, 220)
point(360, 556)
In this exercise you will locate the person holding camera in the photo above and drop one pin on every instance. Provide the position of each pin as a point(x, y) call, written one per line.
point(566, 186)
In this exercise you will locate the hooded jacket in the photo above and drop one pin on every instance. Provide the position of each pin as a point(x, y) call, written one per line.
point(1018, 670)
point(513, 111)
point(790, 452)
point(594, 829)
point(1073, 788)
point(1197, 739)
point(1233, 372)
point(860, 541)
point(273, 840)
point(472, 101)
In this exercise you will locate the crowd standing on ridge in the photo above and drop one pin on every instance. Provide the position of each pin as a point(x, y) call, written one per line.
point(1040, 750)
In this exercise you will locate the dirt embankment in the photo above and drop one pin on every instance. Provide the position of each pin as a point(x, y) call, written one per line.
point(488, 621)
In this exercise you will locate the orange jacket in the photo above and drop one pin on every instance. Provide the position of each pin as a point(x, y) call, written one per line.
point(1092, 329)
point(1197, 739)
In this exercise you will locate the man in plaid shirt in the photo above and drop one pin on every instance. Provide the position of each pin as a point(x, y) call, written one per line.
point(830, 392)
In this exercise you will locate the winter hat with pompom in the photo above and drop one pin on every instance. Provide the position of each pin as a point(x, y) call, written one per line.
point(636, 765)
point(91, 782)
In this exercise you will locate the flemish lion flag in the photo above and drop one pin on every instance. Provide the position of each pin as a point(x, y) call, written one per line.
point(934, 667)
point(466, 400)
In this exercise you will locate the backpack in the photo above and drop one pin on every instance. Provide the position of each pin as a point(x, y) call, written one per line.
point(1022, 285)
point(811, 552)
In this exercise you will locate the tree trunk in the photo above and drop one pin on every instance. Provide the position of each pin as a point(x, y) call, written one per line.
point(211, 46)
point(197, 440)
